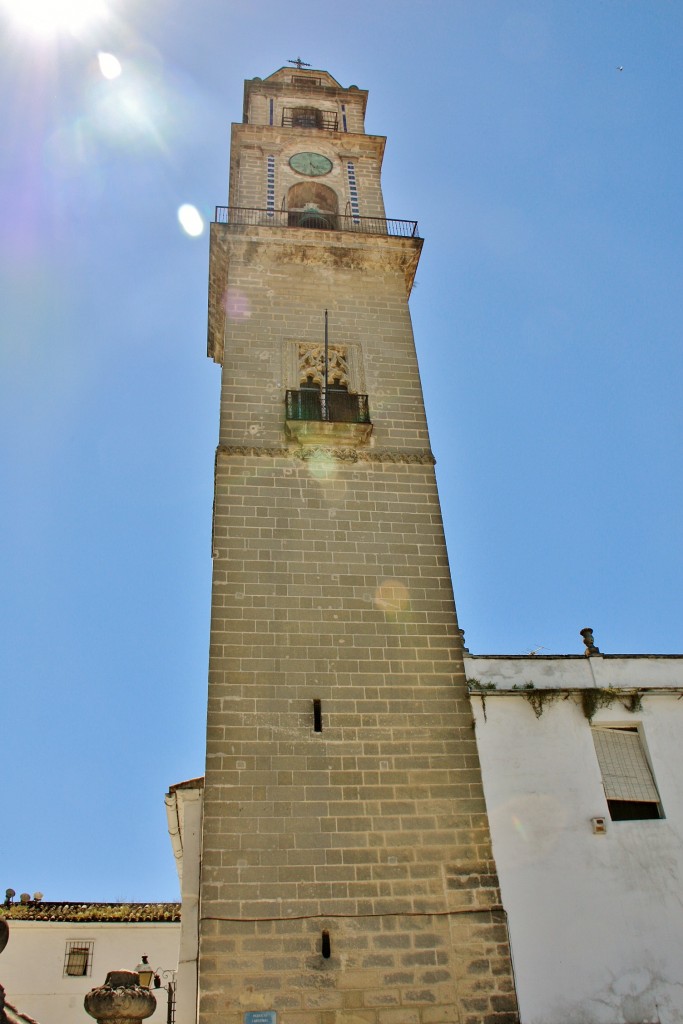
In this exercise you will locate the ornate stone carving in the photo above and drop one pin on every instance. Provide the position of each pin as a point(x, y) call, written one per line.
point(120, 1000)
point(306, 359)
point(251, 449)
point(312, 364)
point(340, 454)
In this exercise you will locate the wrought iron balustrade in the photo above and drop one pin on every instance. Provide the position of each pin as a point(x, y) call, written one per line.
point(308, 404)
point(310, 117)
point(242, 216)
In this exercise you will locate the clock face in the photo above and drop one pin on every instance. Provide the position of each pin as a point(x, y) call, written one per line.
point(314, 164)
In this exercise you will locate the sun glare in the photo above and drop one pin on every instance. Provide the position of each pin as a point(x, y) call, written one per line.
point(190, 220)
point(110, 66)
point(49, 16)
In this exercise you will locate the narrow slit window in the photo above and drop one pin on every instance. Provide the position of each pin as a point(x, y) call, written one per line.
point(317, 715)
point(629, 785)
point(325, 946)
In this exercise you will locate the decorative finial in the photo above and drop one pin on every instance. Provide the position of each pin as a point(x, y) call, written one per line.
point(299, 63)
point(589, 641)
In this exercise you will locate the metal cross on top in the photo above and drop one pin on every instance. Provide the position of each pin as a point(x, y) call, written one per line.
point(299, 63)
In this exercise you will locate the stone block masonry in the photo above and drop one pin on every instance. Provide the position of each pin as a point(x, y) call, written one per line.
point(332, 584)
point(347, 875)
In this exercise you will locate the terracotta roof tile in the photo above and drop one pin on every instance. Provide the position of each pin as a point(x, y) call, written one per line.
point(130, 912)
point(15, 1016)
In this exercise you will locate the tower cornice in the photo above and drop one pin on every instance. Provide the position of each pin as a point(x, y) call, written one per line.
point(270, 247)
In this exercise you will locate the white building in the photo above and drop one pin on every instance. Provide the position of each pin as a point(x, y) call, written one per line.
point(587, 823)
point(59, 951)
point(583, 774)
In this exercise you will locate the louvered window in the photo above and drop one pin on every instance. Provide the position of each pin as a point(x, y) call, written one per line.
point(626, 775)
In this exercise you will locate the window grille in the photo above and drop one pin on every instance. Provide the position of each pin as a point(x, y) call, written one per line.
point(353, 192)
point(626, 776)
point(78, 958)
point(270, 185)
point(309, 117)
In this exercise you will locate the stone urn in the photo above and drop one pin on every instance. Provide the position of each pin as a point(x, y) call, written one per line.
point(121, 1000)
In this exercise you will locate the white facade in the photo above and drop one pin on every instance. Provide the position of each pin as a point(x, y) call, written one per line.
point(33, 965)
point(596, 920)
point(184, 804)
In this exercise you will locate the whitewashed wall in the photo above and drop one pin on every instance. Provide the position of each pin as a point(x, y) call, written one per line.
point(32, 965)
point(596, 922)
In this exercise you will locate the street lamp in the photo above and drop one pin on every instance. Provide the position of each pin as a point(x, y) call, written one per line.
point(158, 978)
point(144, 971)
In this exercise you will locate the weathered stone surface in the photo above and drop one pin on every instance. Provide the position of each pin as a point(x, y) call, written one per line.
point(121, 998)
point(331, 583)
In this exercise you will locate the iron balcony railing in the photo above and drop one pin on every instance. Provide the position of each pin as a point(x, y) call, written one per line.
point(307, 404)
point(247, 217)
point(310, 117)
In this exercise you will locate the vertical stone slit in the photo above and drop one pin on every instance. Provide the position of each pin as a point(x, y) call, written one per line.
point(325, 947)
point(317, 715)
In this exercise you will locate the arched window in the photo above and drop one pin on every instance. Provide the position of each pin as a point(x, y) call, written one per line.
point(308, 400)
point(312, 205)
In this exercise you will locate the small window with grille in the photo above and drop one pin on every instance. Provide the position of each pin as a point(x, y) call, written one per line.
point(626, 774)
point(78, 958)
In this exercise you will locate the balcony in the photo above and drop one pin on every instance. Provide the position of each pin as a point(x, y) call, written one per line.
point(310, 117)
point(243, 216)
point(338, 418)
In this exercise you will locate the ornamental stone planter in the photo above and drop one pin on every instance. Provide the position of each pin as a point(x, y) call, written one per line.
point(121, 1000)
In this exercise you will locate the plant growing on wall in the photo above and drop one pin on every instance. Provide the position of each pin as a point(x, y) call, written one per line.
point(595, 698)
point(538, 698)
point(634, 702)
point(475, 686)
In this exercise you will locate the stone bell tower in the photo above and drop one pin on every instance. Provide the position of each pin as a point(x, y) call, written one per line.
point(347, 873)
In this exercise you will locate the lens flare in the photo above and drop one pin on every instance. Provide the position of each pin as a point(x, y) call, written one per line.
point(236, 304)
point(531, 825)
point(392, 596)
point(322, 466)
point(49, 16)
point(110, 66)
point(190, 220)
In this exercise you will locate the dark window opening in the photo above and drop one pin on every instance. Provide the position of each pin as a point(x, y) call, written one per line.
point(310, 117)
point(317, 715)
point(312, 218)
point(306, 117)
point(627, 777)
point(308, 405)
point(310, 204)
point(342, 407)
point(632, 810)
point(326, 948)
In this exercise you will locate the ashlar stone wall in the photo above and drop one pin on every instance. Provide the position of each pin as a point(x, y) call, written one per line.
point(331, 584)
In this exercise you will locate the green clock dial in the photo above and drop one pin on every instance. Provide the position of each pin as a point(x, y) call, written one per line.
point(314, 164)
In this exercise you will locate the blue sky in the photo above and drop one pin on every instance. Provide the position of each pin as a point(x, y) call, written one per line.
point(547, 317)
